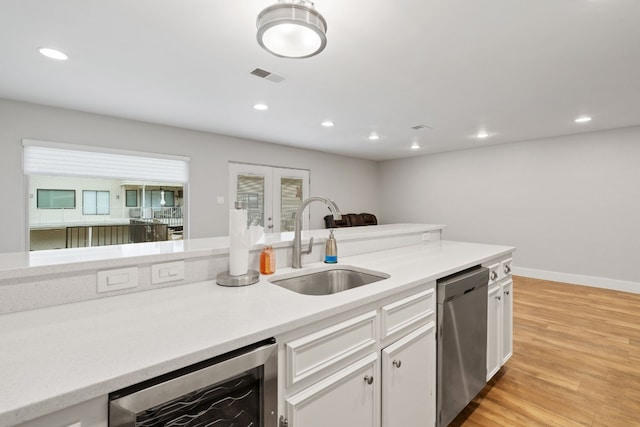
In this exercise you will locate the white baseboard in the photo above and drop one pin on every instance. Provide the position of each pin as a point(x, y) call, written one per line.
point(577, 279)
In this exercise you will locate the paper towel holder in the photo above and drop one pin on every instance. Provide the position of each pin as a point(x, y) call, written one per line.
point(226, 279)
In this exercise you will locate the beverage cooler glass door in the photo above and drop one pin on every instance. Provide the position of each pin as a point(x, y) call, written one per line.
point(236, 389)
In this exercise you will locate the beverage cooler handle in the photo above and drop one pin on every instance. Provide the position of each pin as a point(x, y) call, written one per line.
point(120, 416)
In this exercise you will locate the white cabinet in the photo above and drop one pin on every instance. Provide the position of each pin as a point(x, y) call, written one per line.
point(507, 320)
point(499, 316)
point(378, 362)
point(408, 379)
point(92, 413)
point(347, 398)
point(494, 329)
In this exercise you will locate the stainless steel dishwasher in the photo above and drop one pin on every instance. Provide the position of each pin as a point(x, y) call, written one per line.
point(462, 340)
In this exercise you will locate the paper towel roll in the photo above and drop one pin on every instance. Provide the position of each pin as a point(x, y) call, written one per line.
point(238, 245)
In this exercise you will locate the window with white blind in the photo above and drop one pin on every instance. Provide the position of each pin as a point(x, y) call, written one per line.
point(116, 190)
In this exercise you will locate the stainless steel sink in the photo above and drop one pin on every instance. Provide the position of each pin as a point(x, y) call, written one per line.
point(328, 282)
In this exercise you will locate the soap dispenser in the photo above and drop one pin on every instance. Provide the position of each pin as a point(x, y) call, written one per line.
point(331, 249)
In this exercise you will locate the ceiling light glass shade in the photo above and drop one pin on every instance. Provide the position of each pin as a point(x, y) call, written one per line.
point(292, 30)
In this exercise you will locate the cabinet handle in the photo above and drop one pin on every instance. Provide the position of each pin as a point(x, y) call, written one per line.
point(397, 363)
point(498, 297)
point(368, 379)
point(507, 269)
point(506, 292)
point(494, 275)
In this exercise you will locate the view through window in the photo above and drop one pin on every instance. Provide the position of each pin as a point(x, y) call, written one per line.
point(72, 213)
point(80, 196)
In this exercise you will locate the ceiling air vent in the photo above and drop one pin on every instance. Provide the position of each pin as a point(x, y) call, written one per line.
point(421, 126)
point(267, 75)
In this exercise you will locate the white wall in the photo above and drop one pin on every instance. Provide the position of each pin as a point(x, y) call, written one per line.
point(570, 204)
point(350, 182)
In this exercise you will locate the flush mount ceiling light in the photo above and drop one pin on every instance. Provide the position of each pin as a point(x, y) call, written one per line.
point(53, 53)
point(292, 29)
point(482, 135)
point(415, 146)
point(374, 137)
point(583, 119)
point(327, 123)
point(261, 107)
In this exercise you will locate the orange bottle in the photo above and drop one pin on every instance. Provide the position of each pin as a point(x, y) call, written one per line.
point(267, 261)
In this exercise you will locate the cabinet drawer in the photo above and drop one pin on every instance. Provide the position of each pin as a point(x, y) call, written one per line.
point(330, 348)
point(506, 267)
point(406, 313)
point(495, 273)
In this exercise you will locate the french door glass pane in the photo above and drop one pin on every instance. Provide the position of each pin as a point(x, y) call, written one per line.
point(250, 192)
point(290, 200)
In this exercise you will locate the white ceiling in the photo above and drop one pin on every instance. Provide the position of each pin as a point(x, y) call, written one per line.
point(519, 69)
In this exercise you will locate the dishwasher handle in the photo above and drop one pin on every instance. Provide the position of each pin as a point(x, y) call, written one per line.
point(462, 283)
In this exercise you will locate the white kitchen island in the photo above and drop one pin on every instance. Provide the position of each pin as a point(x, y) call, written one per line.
point(57, 357)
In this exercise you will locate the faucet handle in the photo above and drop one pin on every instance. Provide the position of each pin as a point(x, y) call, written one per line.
point(308, 251)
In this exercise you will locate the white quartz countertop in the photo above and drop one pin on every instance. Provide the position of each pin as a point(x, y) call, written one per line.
point(59, 356)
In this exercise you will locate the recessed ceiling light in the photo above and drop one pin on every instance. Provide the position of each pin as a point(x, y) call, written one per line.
point(415, 146)
point(583, 119)
point(261, 107)
point(374, 137)
point(482, 135)
point(53, 54)
point(327, 123)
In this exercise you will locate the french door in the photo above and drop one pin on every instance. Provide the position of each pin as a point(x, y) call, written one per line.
point(271, 195)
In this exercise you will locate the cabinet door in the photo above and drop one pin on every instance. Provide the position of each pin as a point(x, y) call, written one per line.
point(494, 331)
point(507, 321)
point(408, 380)
point(347, 398)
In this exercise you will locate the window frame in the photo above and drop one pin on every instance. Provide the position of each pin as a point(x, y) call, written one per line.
point(38, 190)
point(126, 198)
point(97, 204)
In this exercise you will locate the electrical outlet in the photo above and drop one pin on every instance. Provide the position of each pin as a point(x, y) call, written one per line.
point(117, 279)
point(167, 272)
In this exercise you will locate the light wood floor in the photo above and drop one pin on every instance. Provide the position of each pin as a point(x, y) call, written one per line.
point(576, 361)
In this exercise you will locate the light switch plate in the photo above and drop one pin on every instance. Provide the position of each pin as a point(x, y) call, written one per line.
point(117, 279)
point(167, 272)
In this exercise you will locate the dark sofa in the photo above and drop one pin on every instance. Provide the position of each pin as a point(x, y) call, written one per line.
point(351, 220)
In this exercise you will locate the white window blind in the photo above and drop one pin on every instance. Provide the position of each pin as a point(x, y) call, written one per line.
point(44, 158)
